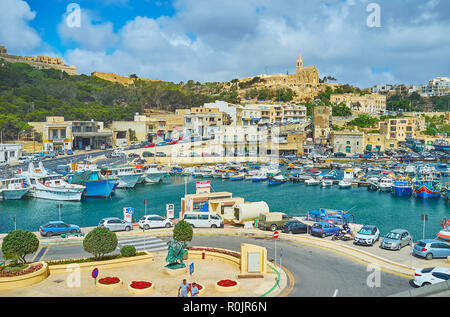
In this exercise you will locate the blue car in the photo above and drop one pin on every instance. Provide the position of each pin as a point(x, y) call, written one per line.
point(57, 227)
point(323, 229)
point(162, 144)
point(432, 248)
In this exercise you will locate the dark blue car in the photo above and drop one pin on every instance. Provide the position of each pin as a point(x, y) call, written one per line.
point(57, 227)
point(323, 229)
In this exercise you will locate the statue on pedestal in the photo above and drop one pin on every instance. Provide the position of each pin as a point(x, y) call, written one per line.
point(175, 253)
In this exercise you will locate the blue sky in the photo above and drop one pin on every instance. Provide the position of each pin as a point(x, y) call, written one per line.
point(216, 40)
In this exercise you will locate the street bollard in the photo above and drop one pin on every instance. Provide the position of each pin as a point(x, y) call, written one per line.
point(203, 254)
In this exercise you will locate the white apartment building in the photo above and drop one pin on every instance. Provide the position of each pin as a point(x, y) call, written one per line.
point(10, 153)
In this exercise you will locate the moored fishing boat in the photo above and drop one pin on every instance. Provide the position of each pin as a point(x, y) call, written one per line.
point(276, 180)
point(444, 234)
point(127, 175)
point(13, 188)
point(426, 188)
point(402, 187)
point(52, 187)
point(237, 177)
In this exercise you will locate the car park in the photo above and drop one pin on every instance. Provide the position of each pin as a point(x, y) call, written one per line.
point(203, 219)
point(154, 221)
point(432, 248)
point(396, 239)
point(323, 229)
point(367, 235)
point(58, 227)
point(432, 275)
point(115, 224)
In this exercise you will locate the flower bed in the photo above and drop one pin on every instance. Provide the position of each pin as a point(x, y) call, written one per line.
point(109, 283)
point(227, 285)
point(88, 260)
point(28, 270)
point(140, 287)
point(200, 288)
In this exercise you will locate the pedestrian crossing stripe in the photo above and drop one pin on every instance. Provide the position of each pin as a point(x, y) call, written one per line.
point(149, 244)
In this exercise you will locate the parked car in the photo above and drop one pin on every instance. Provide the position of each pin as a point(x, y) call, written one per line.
point(57, 227)
point(147, 154)
point(396, 239)
point(162, 143)
point(115, 224)
point(294, 226)
point(340, 155)
point(432, 275)
point(193, 154)
point(272, 221)
point(323, 229)
point(154, 221)
point(181, 154)
point(172, 142)
point(69, 152)
point(368, 235)
point(204, 154)
point(203, 219)
point(133, 155)
point(432, 248)
point(161, 154)
point(149, 145)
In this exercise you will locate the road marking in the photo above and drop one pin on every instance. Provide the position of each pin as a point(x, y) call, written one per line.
point(40, 253)
point(146, 243)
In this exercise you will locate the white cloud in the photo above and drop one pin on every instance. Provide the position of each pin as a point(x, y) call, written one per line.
point(15, 32)
point(218, 41)
point(92, 33)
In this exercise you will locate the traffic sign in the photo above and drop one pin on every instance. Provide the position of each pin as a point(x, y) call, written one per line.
point(276, 234)
point(95, 273)
point(191, 268)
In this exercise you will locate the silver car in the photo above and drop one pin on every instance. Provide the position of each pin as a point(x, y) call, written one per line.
point(115, 224)
point(396, 239)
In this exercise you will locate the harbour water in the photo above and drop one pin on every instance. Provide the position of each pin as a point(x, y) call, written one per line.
point(382, 209)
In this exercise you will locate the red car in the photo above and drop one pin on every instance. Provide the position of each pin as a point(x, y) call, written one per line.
point(149, 145)
point(172, 143)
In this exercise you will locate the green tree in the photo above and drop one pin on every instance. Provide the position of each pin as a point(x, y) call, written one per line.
point(183, 232)
point(18, 244)
point(99, 242)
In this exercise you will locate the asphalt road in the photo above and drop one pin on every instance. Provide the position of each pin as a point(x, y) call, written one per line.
point(316, 273)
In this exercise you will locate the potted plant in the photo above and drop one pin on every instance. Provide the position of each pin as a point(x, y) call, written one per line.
point(109, 283)
point(140, 287)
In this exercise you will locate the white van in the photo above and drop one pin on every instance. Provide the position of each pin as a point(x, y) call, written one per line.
point(203, 219)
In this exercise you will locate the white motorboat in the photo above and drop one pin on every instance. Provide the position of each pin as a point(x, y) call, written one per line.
point(312, 182)
point(45, 186)
point(326, 183)
point(345, 184)
point(385, 184)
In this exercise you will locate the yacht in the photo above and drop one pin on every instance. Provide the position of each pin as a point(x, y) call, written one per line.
point(385, 184)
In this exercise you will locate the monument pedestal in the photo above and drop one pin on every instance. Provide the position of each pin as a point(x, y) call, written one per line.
point(176, 271)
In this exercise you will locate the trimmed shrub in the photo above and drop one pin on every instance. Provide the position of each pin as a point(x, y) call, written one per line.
point(128, 251)
point(183, 232)
point(18, 244)
point(99, 242)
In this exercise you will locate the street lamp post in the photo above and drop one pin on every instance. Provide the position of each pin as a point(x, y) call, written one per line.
point(59, 210)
